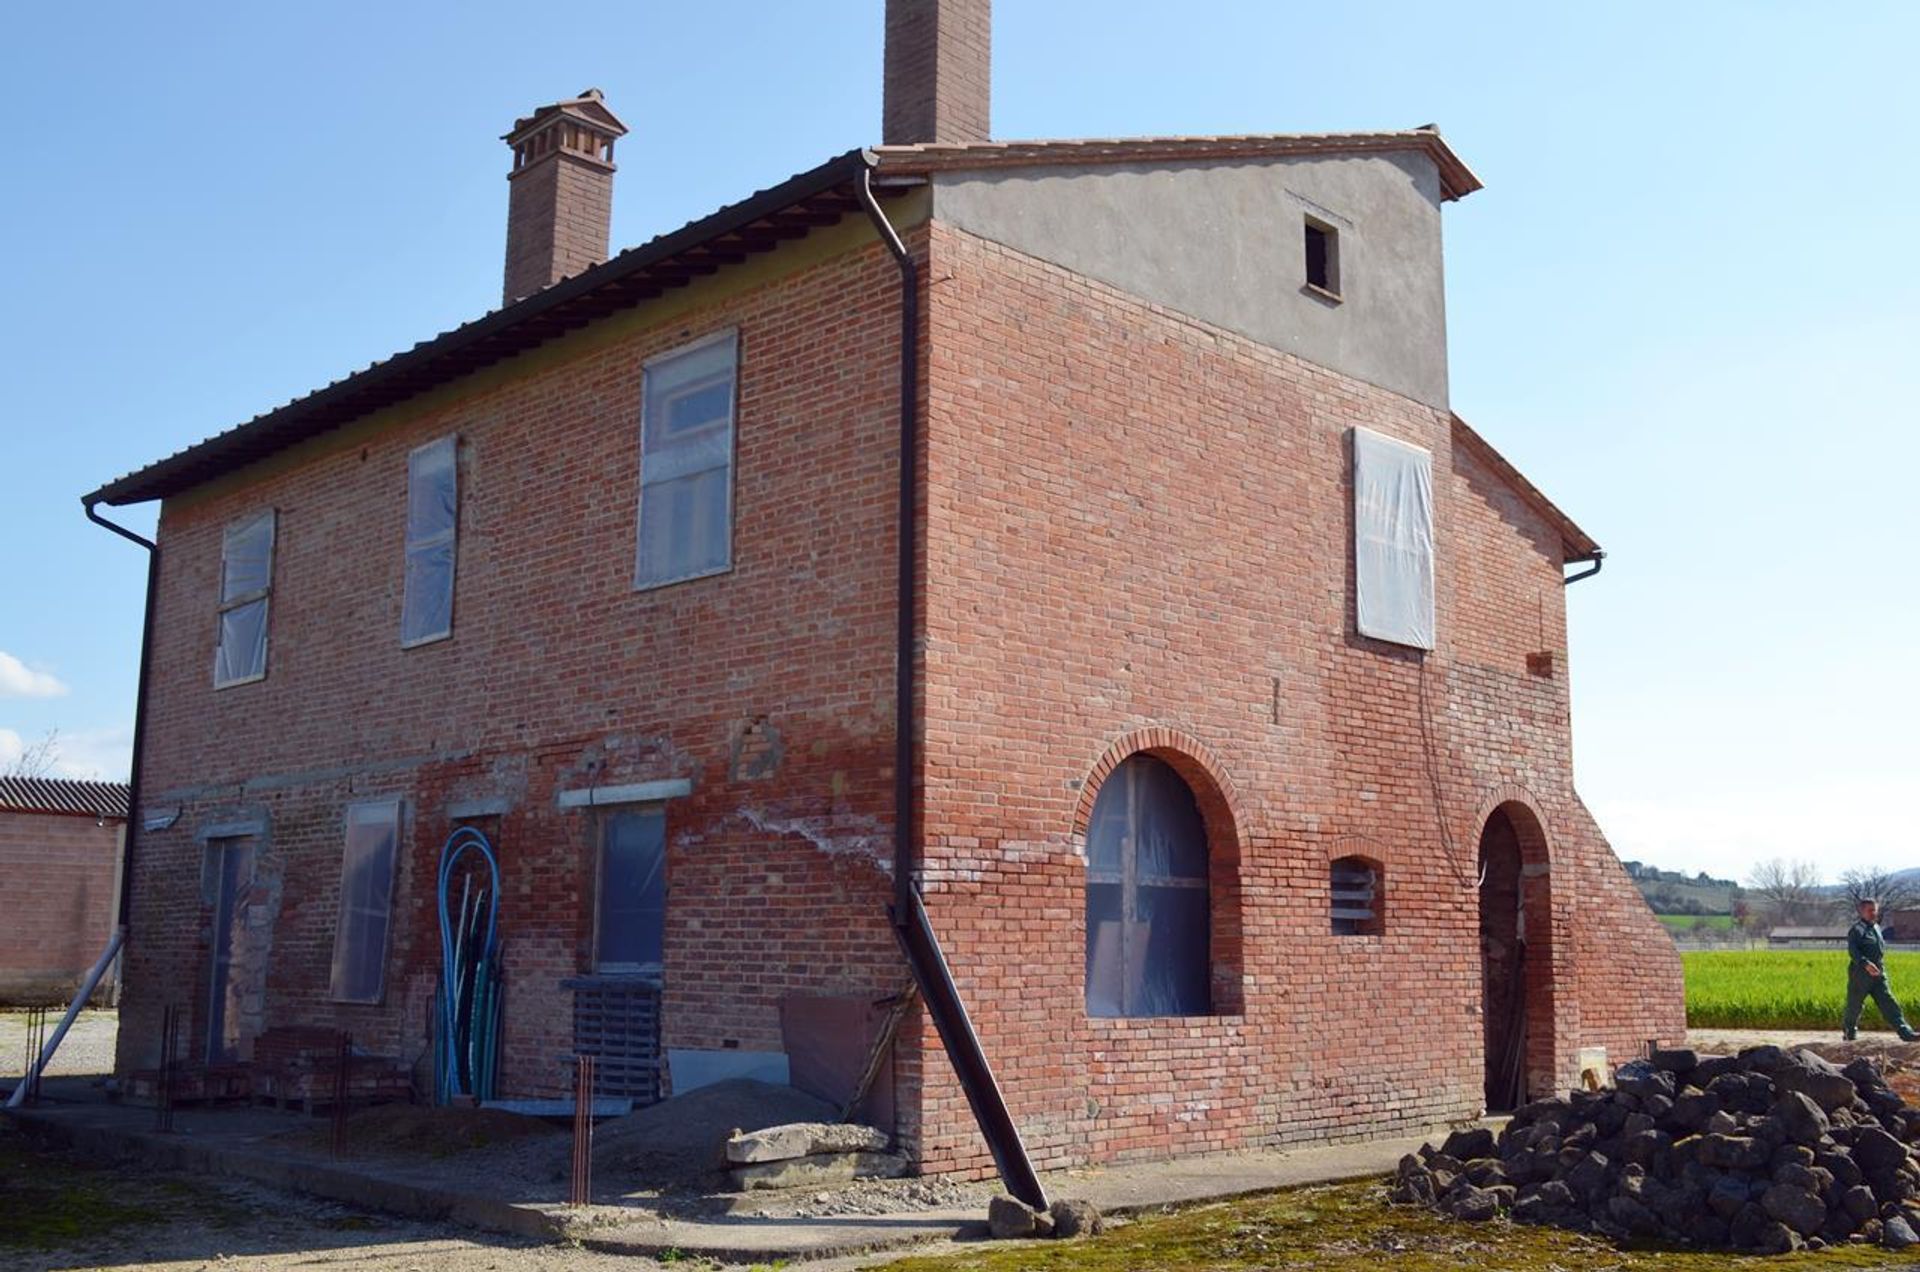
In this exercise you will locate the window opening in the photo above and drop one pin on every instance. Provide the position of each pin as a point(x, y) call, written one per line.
point(686, 463)
point(633, 892)
point(433, 500)
point(1393, 540)
point(1323, 257)
point(366, 901)
point(1148, 908)
point(246, 579)
point(1356, 897)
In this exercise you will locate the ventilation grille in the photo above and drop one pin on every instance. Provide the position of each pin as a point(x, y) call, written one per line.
point(617, 1021)
point(1353, 899)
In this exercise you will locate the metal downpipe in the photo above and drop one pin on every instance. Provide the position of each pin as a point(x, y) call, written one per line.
point(911, 925)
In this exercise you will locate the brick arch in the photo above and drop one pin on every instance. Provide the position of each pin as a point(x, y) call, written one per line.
point(1188, 756)
point(1218, 801)
point(1523, 809)
point(1545, 947)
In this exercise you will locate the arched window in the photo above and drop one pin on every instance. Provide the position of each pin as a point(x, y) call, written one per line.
point(1148, 919)
point(1357, 900)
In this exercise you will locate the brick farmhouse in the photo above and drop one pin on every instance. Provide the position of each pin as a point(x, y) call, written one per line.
point(1238, 773)
point(60, 854)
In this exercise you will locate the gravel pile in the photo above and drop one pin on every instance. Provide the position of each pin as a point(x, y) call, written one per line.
point(1767, 1151)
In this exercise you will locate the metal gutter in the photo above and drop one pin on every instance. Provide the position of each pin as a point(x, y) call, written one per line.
point(908, 915)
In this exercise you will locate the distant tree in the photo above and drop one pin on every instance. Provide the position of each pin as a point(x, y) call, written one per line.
point(37, 759)
point(1789, 890)
point(1893, 892)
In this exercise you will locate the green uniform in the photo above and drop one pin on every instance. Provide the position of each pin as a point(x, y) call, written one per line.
point(1865, 944)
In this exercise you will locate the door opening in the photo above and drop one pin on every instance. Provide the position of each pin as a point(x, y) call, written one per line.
point(231, 861)
point(1503, 962)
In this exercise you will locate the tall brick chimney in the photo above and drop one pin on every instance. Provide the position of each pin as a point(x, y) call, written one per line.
point(938, 75)
point(560, 192)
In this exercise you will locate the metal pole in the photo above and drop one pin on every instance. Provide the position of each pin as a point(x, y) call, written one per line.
point(80, 998)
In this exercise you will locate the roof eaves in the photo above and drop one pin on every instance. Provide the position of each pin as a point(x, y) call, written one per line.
point(461, 350)
point(1575, 543)
point(1456, 179)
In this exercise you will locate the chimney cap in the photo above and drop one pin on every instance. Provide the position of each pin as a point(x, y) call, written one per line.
point(589, 107)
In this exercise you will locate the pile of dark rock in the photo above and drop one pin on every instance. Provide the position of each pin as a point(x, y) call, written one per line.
point(1767, 1151)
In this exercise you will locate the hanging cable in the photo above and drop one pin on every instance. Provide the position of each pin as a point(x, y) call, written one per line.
point(468, 1026)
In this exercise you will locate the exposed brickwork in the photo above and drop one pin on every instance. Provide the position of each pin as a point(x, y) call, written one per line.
point(57, 902)
point(559, 676)
point(938, 84)
point(1137, 538)
point(558, 213)
point(1138, 523)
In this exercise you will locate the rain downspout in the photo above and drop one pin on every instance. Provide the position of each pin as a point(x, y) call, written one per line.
point(911, 925)
point(131, 831)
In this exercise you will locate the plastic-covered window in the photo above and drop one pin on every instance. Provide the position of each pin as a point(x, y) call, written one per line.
point(686, 463)
point(633, 891)
point(1148, 914)
point(433, 504)
point(246, 578)
point(366, 902)
point(1393, 539)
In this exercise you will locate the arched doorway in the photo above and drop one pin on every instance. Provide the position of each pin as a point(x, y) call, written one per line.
point(1510, 840)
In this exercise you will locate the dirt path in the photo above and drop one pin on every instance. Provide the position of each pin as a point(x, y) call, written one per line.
point(59, 1212)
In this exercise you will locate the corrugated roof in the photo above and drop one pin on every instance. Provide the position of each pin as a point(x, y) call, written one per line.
point(1576, 543)
point(1456, 179)
point(789, 210)
point(64, 796)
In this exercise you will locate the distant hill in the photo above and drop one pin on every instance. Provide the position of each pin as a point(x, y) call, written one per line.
point(1676, 892)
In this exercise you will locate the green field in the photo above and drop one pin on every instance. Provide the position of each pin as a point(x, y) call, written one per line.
point(1687, 922)
point(1781, 989)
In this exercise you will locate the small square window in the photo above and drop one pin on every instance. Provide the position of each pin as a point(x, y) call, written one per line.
point(1323, 258)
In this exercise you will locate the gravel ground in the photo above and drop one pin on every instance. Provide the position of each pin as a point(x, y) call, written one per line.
point(87, 1048)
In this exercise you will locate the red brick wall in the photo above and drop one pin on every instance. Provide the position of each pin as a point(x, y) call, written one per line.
point(558, 213)
point(56, 902)
point(1139, 536)
point(558, 676)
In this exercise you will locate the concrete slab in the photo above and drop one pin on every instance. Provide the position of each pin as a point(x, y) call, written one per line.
point(236, 1143)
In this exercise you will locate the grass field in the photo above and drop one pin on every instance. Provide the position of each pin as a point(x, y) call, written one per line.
point(1781, 989)
point(1687, 922)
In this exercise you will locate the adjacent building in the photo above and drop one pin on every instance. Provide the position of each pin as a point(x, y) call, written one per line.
point(60, 843)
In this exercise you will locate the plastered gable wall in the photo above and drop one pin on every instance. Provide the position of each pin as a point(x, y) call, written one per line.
point(560, 676)
point(1222, 241)
point(1138, 535)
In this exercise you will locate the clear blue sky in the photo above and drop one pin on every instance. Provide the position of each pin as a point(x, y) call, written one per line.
point(1685, 303)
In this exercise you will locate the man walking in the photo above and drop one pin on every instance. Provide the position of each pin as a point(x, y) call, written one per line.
point(1867, 974)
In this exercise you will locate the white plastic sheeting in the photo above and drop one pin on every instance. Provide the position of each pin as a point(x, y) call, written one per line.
point(686, 463)
point(366, 902)
point(246, 576)
point(1393, 539)
point(433, 503)
point(1148, 915)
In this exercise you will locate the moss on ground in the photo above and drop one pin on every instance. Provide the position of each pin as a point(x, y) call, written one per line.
point(48, 1201)
point(1350, 1228)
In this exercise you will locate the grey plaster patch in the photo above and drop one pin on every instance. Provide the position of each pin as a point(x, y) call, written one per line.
point(1224, 242)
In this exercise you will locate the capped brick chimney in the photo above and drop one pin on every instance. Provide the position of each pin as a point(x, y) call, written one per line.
point(938, 71)
point(560, 192)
